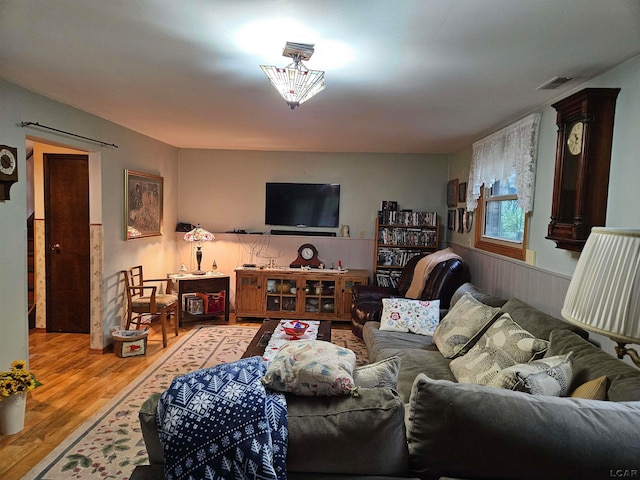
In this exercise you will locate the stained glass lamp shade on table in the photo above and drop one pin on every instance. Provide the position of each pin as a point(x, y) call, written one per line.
point(198, 235)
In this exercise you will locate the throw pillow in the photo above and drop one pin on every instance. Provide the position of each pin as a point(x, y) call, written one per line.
point(312, 368)
point(382, 374)
point(458, 330)
point(595, 389)
point(547, 376)
point(405, 315)
point(504, 344)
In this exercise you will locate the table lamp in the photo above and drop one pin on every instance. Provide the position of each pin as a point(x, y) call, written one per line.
point(604, 293)
point(198, 235)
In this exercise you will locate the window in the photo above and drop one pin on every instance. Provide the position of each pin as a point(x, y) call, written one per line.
point(501, 223)
point(501, 187)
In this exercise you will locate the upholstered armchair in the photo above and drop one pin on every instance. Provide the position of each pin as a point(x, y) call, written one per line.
point(442, 282)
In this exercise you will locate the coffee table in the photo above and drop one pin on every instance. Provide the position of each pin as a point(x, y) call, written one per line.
point(262, 337)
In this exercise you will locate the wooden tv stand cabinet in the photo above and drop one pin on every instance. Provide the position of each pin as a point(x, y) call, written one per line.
point(296, 293)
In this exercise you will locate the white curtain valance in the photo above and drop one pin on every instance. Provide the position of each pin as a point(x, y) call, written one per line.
point(496, 157)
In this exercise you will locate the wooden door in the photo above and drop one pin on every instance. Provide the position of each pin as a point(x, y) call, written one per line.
point(66, 193)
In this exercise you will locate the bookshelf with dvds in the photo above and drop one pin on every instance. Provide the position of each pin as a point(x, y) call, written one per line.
point(401, 235)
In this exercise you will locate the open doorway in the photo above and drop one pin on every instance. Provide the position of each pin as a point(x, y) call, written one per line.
point(90, 274)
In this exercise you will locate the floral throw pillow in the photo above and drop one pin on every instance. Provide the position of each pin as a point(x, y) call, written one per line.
point(405, 315)
point(312, 368)
point(503, 345)
point(460, 328)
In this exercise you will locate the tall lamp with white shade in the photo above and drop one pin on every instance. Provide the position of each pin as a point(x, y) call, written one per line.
point(198, 235)
point(604, 293)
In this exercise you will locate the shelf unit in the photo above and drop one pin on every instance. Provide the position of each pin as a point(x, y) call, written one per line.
point(401, 236)
point(206, 286)
point(296, 293)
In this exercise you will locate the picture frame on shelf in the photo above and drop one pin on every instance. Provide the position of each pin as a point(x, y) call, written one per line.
point(452, 193)
point(143, 200)
point(462, 192)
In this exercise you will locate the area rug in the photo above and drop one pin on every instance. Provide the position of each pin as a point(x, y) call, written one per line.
point(110, 445)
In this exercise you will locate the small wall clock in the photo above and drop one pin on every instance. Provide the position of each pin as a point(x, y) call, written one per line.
point(307, 257)
point(8, 170)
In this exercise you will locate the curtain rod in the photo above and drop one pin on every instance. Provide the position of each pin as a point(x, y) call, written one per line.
point(26, 124)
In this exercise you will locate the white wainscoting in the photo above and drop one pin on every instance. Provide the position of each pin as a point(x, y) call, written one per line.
point(509, 278)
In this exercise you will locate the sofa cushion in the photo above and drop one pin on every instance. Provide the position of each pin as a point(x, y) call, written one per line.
point(589, 363)
point(382, 374)
point(458, 331)
point(504, 344)
point(538, 323)
point(312, 367)
point(356, 435)
point(416, 352)
point(384, 344)
point(478, 294)
point(459, 430)
point(148, 415)
point(406, 315)
point(547, 376)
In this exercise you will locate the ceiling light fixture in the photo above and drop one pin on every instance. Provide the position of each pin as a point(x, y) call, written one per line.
point(295, 82)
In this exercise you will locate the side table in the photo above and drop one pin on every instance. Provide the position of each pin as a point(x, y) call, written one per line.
point(209, 283)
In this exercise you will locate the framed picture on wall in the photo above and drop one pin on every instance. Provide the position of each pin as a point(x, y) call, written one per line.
point(142, 205)
point(452, 193)
point(462, 192)
point(460, 221)
point(451, 219)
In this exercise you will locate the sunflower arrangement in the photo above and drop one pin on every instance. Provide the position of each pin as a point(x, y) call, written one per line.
point(17, 380)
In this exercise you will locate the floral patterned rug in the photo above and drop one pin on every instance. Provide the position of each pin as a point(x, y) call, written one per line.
point(110, 444)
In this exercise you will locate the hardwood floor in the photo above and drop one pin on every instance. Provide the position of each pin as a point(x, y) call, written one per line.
point(76, 384)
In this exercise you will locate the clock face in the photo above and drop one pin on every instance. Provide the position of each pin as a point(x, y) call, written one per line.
point(307, 253)
point(574, 140)
point(7, 161)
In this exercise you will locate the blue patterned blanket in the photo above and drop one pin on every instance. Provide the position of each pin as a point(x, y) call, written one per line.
point(221, 423)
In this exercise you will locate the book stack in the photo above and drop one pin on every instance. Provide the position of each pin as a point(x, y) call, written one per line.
point(407, 218)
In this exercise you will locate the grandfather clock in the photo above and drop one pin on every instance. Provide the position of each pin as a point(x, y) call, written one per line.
point(583, 157)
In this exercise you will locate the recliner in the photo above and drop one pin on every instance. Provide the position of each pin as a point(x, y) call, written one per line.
point(442, 282)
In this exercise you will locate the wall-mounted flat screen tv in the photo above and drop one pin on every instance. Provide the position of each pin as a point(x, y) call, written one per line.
point(302, 204)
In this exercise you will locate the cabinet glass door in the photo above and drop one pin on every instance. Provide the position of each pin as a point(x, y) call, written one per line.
point(281, 295)
point(320, 296)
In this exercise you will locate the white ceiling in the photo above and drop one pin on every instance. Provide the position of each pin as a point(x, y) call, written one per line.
point(421, 76)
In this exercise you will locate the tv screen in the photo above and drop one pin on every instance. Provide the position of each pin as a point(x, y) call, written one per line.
point(302, 204)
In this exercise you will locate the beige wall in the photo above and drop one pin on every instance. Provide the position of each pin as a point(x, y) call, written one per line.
point(223, 189)
point(135, 152)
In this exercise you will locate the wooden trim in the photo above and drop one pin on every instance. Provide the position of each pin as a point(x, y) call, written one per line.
point(518, 252)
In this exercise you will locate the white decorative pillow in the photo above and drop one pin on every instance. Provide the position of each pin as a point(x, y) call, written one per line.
point(547, 376)
point(382, 374)
point(503, 345)
point(406, 315)
point(312, 368)
point(457, 331)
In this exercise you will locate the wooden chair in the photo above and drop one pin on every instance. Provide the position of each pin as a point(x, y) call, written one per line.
point(150, 304)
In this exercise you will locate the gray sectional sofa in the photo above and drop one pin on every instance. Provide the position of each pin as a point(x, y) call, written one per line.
point(433, 427)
